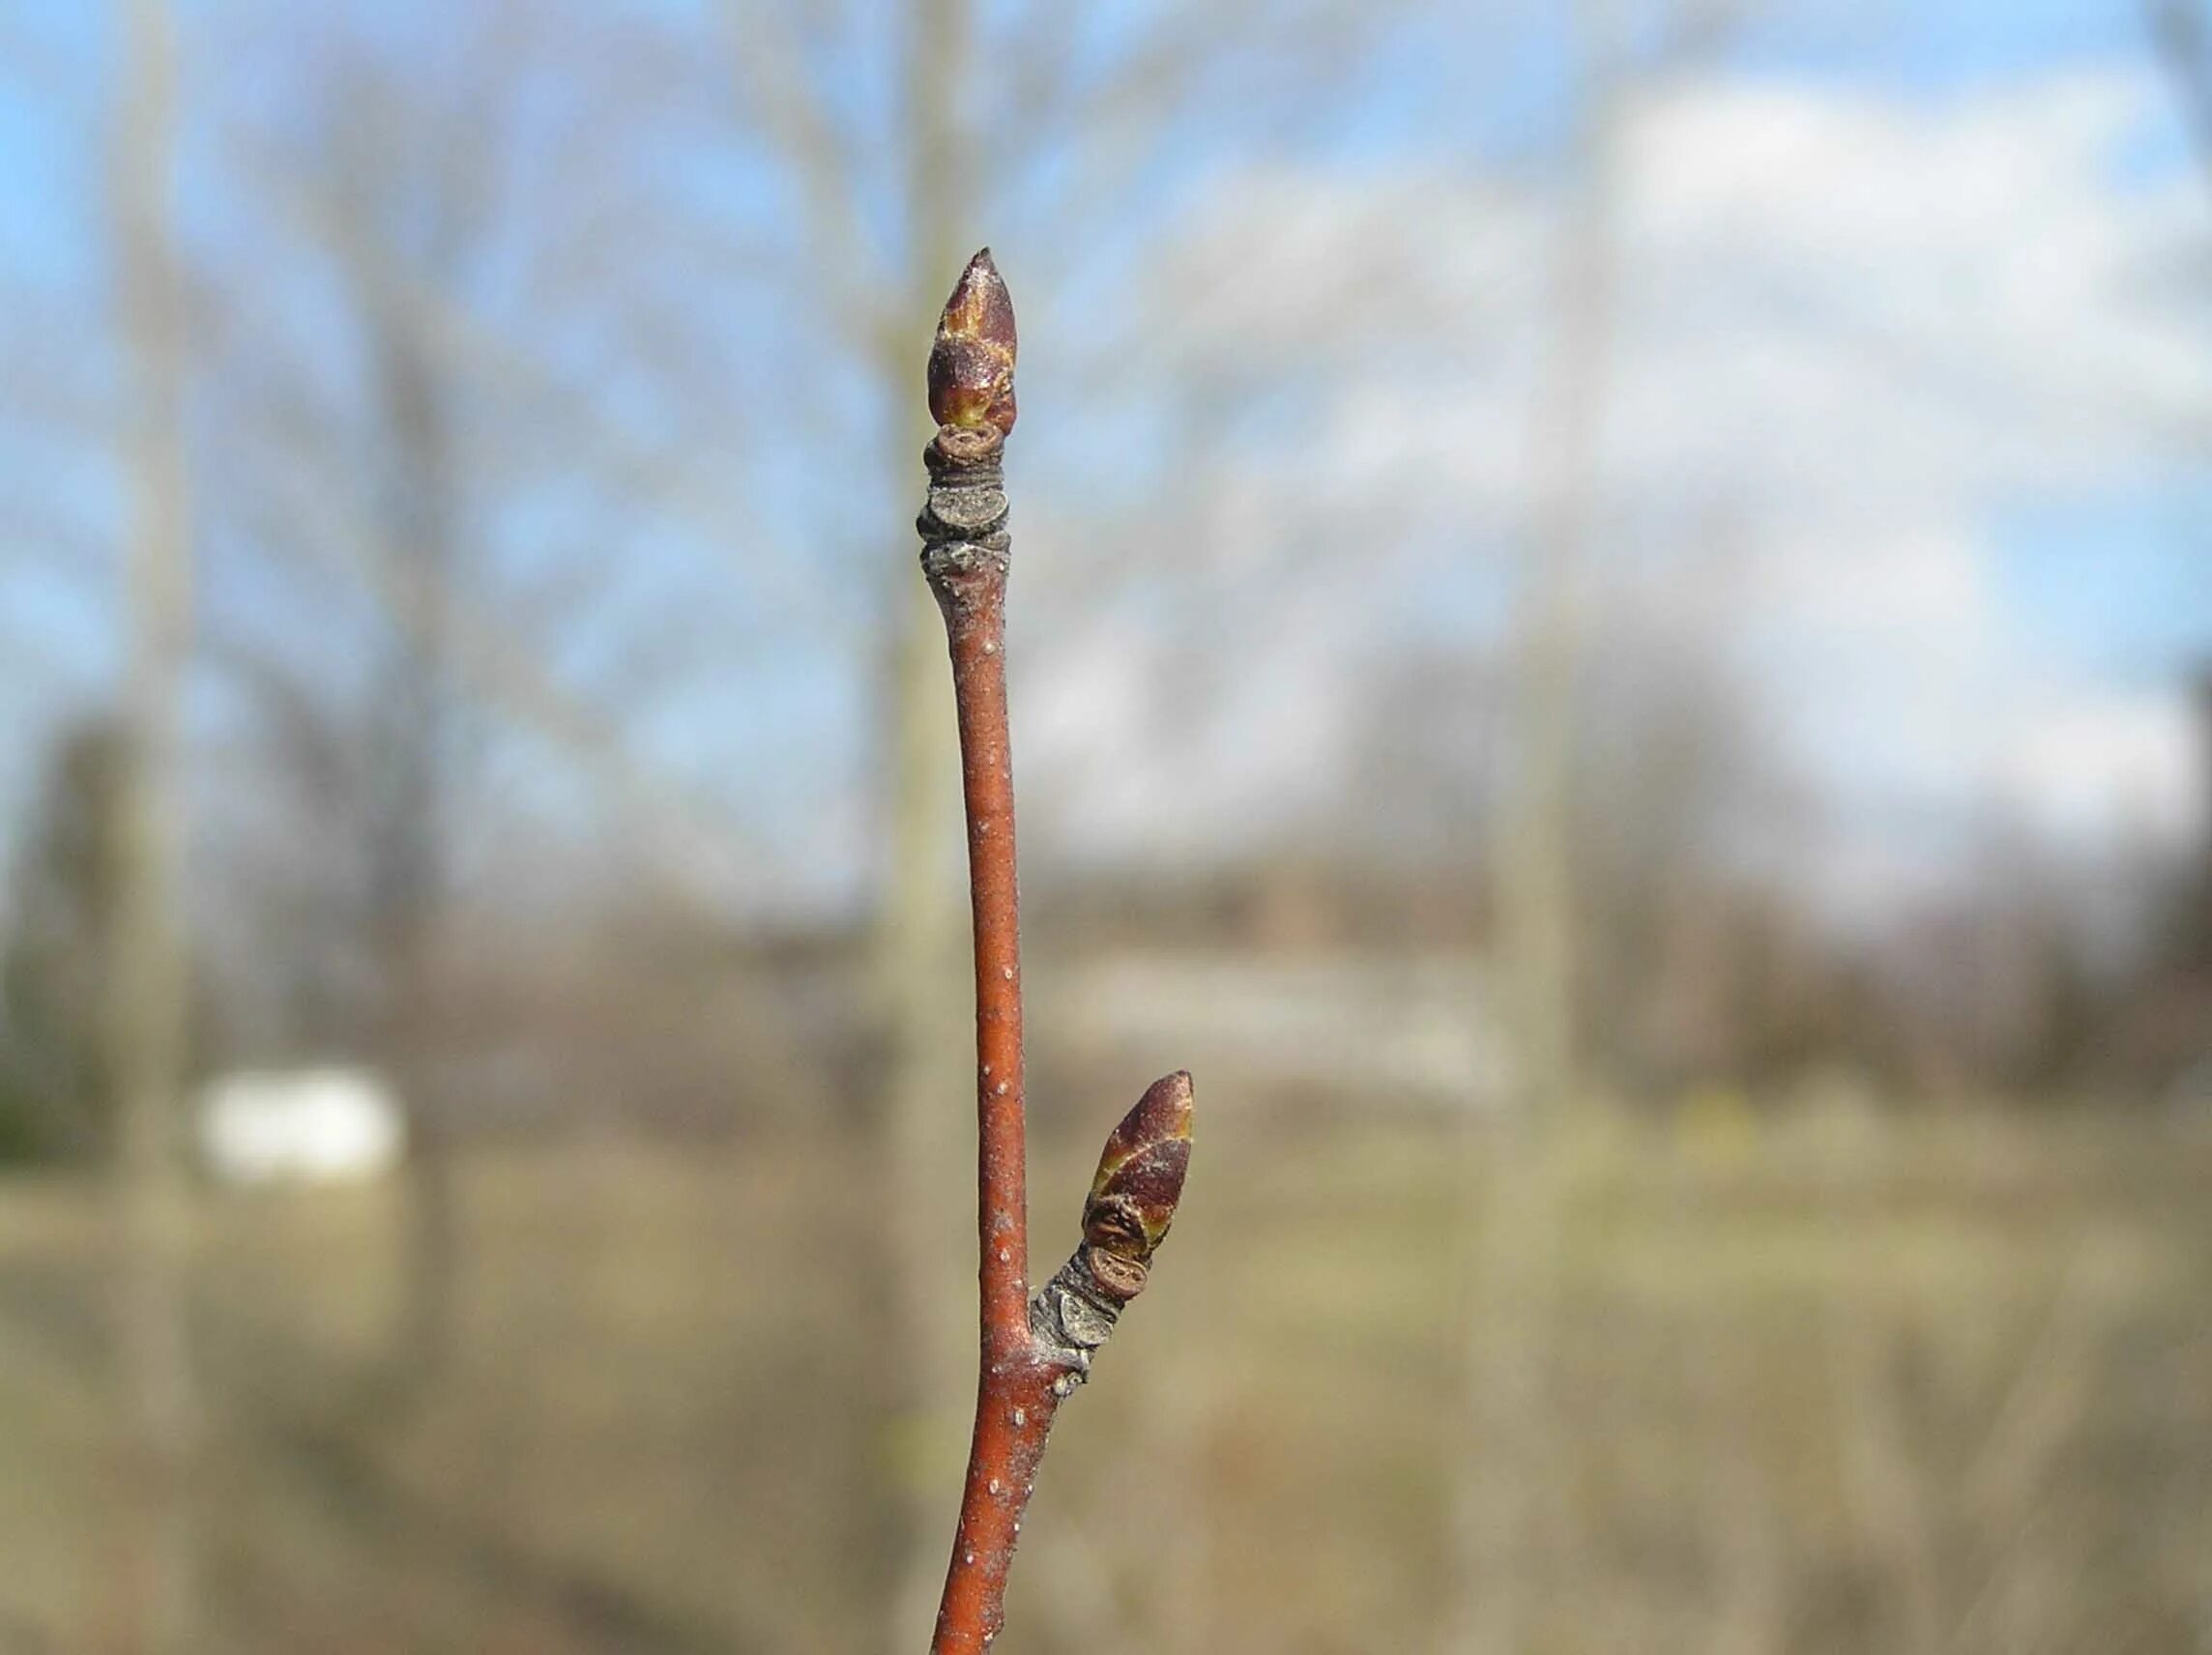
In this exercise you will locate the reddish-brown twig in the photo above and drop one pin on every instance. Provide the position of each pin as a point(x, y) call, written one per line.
point(1035, 1351)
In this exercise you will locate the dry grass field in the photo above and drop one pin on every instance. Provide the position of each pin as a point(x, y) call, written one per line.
point(1814, 1386)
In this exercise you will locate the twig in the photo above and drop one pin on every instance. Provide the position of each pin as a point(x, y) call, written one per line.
point(1035, 1351)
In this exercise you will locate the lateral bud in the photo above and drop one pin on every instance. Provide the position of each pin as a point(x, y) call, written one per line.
point(1125, 1217)
point(1139, 1181)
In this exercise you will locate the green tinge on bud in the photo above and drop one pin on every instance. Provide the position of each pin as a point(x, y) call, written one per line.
point(972, 364)
point(1141, 1172)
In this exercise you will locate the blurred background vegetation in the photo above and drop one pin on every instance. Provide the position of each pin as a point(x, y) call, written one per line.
point(1611, 642)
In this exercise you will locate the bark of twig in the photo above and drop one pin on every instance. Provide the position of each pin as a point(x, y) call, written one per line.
point(1035, 1351)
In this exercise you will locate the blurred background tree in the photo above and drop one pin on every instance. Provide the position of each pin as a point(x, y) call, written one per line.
point(57, 1102)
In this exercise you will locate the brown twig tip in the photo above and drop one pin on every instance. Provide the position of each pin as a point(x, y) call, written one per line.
point(1140, 1175)
point(972, 364)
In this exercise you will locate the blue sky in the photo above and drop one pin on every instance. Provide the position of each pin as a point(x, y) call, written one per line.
point(2106, 580)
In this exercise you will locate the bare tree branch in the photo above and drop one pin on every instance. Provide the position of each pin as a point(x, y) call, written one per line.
point(771, 72)
point(631, 461)
point(2183, 40)
point(712, 842)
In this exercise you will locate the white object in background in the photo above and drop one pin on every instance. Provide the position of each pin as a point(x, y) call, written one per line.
point(330, 1125)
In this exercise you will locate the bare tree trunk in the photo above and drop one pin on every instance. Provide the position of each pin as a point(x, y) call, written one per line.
point(1521, 1168)
point(918, 942)
point(920, 1129)
point(408, 846)
point(1885, 1483)
point(1504, 1451)
point(1749, 1592)
point(152, 1589)
point(1537, 901)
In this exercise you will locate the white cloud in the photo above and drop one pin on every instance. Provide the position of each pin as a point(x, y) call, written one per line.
point(1854, 295)
point(1849, 327)
point(2112, 768)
